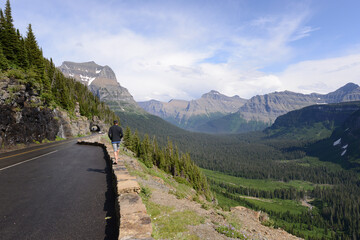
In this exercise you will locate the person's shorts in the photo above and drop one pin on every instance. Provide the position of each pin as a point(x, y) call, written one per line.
point(116, 146)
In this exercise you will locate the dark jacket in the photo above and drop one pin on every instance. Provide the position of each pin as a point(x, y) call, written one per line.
point(115, 133)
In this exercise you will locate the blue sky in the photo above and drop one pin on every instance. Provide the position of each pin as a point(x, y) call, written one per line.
point(181, 49)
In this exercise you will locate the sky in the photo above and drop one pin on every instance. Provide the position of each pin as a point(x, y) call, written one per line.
point(181, 49)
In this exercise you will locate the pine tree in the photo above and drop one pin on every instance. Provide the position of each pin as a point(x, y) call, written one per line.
point(9, 38)
point(35, 56)
point(2, 26)
point(22, 56)
point(4, 65)
point(127, 137)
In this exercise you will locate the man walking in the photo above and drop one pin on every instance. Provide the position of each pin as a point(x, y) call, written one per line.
point(115, 134)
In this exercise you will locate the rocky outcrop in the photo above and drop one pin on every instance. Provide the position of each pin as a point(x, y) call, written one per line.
point(71, 126)
point(102, 82)
point(26, 125)
point(24, 119)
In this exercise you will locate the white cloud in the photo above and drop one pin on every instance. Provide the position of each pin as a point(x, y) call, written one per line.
point(161, 52)
point(322, 76)
point(303, 32)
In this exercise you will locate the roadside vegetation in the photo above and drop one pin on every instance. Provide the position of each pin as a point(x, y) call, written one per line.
point(168, 159)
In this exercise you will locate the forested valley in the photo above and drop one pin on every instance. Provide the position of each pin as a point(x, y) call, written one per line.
point(288, 155)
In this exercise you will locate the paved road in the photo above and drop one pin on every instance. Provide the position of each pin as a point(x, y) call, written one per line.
point(56, 191)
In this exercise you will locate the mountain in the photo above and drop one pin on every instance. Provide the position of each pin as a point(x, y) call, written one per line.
point(254, 114)
point(313, 122)
point(347, 93)
point(190, 115)
point(101, 80)
point(268, 107)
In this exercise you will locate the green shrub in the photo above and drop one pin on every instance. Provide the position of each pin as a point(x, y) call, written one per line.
point(16, 74)
point(59, 138)
point(45, 140)
point(230, 231)
point(182, 180)
point(145, 193)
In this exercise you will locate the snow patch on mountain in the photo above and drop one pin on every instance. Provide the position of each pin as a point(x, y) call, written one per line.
point(87, 79)
point(343, 153)
point(337, 142)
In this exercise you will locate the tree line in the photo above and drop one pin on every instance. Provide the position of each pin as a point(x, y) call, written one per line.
point(280, 193)
point(168, 159)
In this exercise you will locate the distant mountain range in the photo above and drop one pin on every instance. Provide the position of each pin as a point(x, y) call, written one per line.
point(217, 113)
point(213, 112)
point(102, 81)
point(191, 114)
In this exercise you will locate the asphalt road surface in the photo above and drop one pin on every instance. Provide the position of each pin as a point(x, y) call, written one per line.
point(60, 190)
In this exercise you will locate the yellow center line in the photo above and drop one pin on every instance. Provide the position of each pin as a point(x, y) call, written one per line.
point(28, 160)
point(22, 153)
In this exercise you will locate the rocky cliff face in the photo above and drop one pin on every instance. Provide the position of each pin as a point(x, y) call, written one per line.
point(24, 119)
point(102, 81)
point(268, 107)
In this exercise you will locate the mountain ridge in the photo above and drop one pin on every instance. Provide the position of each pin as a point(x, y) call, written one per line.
point(191, 114)
point(255, 113)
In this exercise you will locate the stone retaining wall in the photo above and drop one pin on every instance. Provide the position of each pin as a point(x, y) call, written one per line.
point(133, 220)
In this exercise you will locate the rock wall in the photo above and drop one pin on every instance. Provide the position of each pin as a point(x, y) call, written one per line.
point(27, 125)
point(24, 119)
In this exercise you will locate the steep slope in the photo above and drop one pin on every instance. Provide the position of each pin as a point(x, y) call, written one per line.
point(191, 114)
point(232, 123)
point(171, 203)
point(342, 147)
point(313, 122)
point(101, 80)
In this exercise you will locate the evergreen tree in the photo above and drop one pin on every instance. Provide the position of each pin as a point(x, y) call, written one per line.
point(22, 57)
point(9, 38)
point(4, 64)
point(2, 26)
point(34, 54)
point(127, 137)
